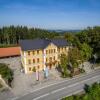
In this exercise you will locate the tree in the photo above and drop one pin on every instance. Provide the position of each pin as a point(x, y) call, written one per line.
point(69, 37)
point(11, 35)
point(75, 57)
point(86, 51)
point(91, 36)
point(6, 73)
point(64, 64)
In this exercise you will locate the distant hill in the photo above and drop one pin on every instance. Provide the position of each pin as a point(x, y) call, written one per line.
point(63, 31)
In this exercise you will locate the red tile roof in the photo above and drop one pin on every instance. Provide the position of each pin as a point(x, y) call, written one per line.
point(9, 51)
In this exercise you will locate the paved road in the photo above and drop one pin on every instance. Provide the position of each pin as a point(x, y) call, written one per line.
point(62, 89)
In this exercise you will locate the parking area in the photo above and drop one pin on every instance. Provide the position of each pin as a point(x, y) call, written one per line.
point(24, 83)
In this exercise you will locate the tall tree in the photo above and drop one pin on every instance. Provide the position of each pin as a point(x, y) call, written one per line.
point(64, 65)
point(75, 57)
point(86, 51)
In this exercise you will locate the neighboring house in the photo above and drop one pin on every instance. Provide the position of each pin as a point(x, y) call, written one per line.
point(38, 54)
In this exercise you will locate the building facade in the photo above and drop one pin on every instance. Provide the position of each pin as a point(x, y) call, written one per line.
point(38, 54)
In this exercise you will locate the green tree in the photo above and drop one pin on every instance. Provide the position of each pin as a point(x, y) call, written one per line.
point(69, 37)
point(12, 35)
point(91, 36)
point(6, 73)
point(86, 51)
point(75, 57)
point(64, 64)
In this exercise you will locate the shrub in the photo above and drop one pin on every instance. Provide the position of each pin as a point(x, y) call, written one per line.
point(6, 73)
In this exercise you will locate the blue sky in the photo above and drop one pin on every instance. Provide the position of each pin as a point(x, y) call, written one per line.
point(50, 14)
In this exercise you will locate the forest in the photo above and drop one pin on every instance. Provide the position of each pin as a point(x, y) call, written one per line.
point(12, 34)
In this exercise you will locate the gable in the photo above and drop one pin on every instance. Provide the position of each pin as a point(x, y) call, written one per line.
point(51, 46)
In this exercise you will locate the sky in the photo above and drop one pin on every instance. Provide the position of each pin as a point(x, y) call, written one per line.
point(50, 14)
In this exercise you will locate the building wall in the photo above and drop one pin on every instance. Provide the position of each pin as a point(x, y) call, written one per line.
point(50, 54)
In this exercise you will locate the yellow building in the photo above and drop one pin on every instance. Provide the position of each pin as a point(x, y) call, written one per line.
point(38, 54)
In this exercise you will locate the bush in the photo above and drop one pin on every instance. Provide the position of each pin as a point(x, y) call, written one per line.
point(6, 73)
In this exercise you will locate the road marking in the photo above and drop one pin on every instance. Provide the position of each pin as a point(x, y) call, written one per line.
point(71, 94)
point(73, 84)
point(78, 91)
point(41, 96)
point(82, 75)
point(58, 90)
point(14, 98)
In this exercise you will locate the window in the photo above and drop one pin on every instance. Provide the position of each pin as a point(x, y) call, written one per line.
point(65, 48)
point(34, 69)
point(58, 50)
point(38, 60)
point(46, 59)
point(33, 60)
point(33, 52)
point(54, 57)
point(54, 50)
point(62, 49)
point(49, 51)
point(28, 52)
point(46, 51)
point(29, 68)
point(37, 51)
point(29, 61)
point(38, 66)
point(50, 58)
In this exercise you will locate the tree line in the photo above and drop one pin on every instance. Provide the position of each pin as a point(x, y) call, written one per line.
point(12, 34)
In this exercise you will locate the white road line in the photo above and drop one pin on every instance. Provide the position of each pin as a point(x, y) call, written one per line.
point(72, 94)
point(82, 75)
point(73, 84)
point(58, 90)
point(50, 85)
point(78, 91)
point(14, 98)
point(41, 96)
